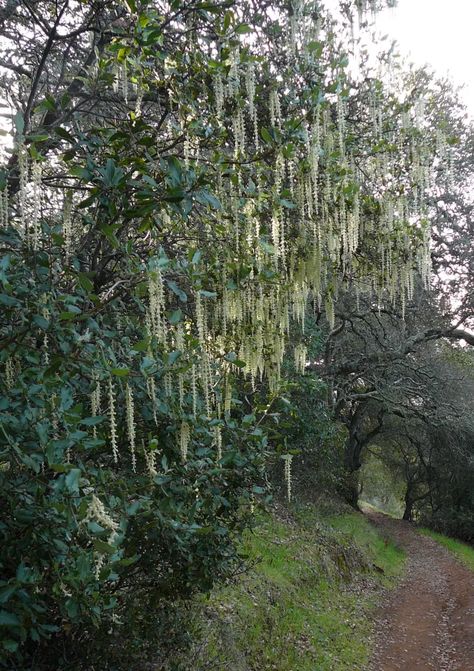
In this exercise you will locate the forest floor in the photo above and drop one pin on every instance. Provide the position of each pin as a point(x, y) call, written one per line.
point(426, 622)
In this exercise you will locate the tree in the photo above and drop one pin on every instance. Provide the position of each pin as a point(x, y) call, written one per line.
point(376, 355)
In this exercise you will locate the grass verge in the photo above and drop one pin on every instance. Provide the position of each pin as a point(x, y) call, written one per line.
point(306, 602)
point(463, 552)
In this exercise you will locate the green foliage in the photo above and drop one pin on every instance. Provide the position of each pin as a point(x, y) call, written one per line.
point(453, 514)
point(300, 423)
point(167, 531)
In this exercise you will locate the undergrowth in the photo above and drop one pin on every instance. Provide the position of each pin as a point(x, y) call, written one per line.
point(305, 603)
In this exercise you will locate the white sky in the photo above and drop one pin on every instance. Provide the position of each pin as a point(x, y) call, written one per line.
point(437, 32)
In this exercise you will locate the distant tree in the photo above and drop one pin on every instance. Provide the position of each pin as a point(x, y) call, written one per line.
point(377, 360)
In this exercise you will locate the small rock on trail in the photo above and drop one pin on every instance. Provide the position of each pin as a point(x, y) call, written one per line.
point(427, 622)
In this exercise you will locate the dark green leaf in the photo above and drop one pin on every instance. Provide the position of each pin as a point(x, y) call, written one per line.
point(9, 619)
point(243, 29)
point(175, 317)
point(176, 290)
point(9, 301)
point(72, 480)
point(103, 547)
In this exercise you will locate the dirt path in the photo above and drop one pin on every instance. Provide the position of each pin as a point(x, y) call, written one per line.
point(427, 622)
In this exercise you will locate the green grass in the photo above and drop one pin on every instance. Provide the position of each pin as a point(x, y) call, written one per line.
point(305, 604)
point(463, 552)
point(384, 553)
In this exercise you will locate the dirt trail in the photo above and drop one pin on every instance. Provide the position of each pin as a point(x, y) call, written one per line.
point(427, 622)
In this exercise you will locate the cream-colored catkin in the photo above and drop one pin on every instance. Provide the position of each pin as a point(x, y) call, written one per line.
point(218, 441)
point(233, 78)
point(46, 315)
point(98, 564)
point(96, 395)
point(330, 314)
point(239, 132)
point(4, 207)
point(96, 512)
point(113, 420)
point(181, 389)
point(54, 416)
point(250, 87)
point(301, 357)
point(168, 384)
point(156, 302)
point(23, 165)
point(180, 346)
point(219, 95)
point(256, 132)
point(67, 224)
point(131, 430)
point(9, 374)
point(201, 319)
point(151, 390)
point(275, 109)
point(150, 458)
point(139, 100)
point(95, 400)
point(124, 81)
point(341, 123)
point(288, 458)
point(227, 396)
point(206, 381)
point(184, 440)
point(194, 394)
point(36, 173)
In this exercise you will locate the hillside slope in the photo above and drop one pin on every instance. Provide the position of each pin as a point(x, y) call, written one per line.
point(306, 603)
